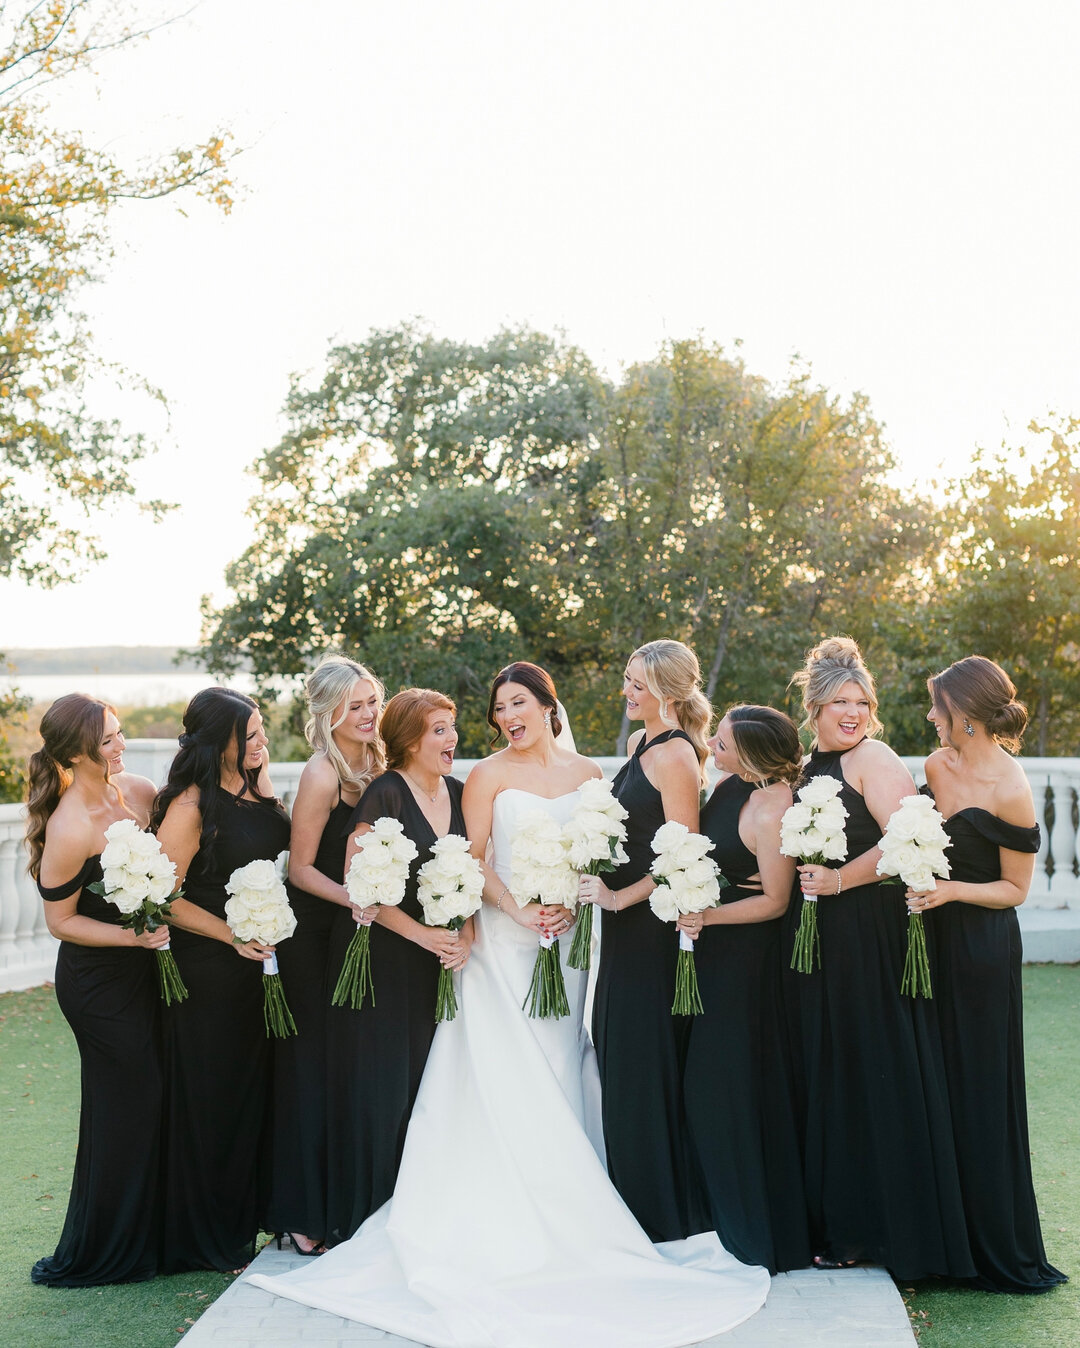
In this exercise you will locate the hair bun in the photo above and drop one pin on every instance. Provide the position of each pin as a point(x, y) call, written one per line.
point(838, 651)
point(1008, 723)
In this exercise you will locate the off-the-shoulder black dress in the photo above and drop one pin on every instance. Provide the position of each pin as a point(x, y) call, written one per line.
point(109, 996)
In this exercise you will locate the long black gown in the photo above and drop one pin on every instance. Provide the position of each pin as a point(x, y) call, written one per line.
point(298, 1178)
point(217, 1059)
point(640, 1046)
point(881, 1175)
point(740, 1108)
point(977, 988)
point(109, 996)
point(376, 1056)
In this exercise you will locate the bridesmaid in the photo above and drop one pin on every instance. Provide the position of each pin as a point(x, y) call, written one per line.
point(740, 1109)
point(215, 813)
point(640, 1046)
point(990, 817)
point(345, 701)
point(881, 1177)
point(376, 1055)
point(106, 986)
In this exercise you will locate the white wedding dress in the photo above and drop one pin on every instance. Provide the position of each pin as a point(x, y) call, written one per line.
point(504, 1230)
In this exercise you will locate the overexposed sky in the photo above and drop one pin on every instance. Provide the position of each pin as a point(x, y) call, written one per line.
point(889, 191)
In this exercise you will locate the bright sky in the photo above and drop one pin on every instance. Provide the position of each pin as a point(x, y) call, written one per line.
point(890, 191)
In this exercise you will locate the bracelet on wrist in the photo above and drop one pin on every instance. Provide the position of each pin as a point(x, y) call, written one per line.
point(839, 882)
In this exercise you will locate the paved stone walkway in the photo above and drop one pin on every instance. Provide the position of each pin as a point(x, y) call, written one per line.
point(846, 1308)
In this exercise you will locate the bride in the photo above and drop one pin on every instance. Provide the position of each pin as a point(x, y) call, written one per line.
point(504, 1231)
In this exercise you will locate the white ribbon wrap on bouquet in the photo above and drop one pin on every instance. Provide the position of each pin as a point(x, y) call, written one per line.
point(546, 942)
point(685, 943)
point(270, 964)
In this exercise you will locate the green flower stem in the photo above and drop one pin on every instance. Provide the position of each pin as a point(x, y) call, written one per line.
point(580, 956)
point(916, 979)
point(546, 998)
point(276, 1013)
point(687, 997)
point(807, 940)
point(354, 981)
point(445, 1000)
point(169, 980)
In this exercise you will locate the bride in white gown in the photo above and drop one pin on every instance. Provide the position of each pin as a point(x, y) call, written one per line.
point(504, 1230)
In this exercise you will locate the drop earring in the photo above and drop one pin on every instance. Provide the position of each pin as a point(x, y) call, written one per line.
point(969, 729)
point(547, 719)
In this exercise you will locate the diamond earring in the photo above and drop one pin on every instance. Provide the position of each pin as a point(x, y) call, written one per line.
point(969, 729)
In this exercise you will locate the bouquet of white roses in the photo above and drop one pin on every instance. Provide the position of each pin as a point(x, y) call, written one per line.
point(687, 881)
point(450, 888)
point(378, 873)
point(812, 830)
point(540, 872)
point(258, 909)
point(139, 878)
point(594, 838)
point(913, 851)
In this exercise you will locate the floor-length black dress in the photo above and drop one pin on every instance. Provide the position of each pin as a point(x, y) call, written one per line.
point(640, 1046)
point(977, 987)
point(217, 1058)
point(881, 1174)
point(298, 1178)
point(739, 1100)
point(109, 996)
point(376, 1055)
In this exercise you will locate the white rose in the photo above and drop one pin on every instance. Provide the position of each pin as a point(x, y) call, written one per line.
point(797, 817)
point(662, 902)
point(819, 790)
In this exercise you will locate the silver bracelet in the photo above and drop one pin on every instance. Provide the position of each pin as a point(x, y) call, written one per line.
point(839, 882)
point(501, 897)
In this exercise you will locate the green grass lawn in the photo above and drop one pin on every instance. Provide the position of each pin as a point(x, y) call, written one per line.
point(39, 1102)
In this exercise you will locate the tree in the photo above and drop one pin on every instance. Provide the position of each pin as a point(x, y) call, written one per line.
point(56, 194)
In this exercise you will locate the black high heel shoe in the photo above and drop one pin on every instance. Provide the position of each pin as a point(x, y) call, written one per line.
point(317, 1247)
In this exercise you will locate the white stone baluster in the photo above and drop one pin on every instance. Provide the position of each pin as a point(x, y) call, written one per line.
point(10, 954)
point(1062, 842)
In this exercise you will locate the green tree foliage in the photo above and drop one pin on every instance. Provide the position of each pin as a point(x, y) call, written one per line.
point(13, 709)
point(56, 193)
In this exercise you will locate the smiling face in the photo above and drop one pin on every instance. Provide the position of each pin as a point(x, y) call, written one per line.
point(519, 715)
point(842, 721)
point(111, 747)
point(433, 753)
point(356, 717)
point(251, 754)
point(942, 719)
point(641, 705)
point(724, 753)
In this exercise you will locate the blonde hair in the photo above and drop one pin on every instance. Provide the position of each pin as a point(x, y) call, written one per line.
point(325, 688)
point(672, 674)
point(405, 720)
point(832, 663)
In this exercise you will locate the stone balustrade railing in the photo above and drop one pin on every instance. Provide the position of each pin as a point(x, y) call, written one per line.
point(28, 952)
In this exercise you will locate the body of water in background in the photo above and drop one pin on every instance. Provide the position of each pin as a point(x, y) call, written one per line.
point(128, 690)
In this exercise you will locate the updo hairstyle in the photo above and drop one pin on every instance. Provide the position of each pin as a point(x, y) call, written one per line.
point(767, 743)
point(832, 663)
point(981, 691)
point(538, 681)
point(672, 674)
point(74, 725)
point(328, 684)
point(404, 721)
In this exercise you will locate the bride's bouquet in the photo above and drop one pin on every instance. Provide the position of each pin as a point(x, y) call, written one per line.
point(540, 872)
point(378, 873)
point(139, 878)
point(687, 881)
point(912, 854)
point(450, 888)
point(594, 838)
point(812, 831)
point(258, 909)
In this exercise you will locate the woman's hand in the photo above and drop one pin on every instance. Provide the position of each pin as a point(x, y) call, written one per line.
point(253, 950)
point(364, 917)
point(591, 889)
point(818, 880)
point(157, 939)
point(556, 918)
point(919, 902)
point(444, 944)
point(691, 923)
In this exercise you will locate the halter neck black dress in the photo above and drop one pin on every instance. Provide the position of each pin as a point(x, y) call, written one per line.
point(740, 1107)
point(109, 996)
point(976, 956)
point(218, 1062)
point(298, 1175)
point(640, 1046)
point(881, 1175)
point(376, 1056)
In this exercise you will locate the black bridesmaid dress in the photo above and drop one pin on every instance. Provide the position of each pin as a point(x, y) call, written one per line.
point(109, 996)
point(740, 1108)
point(882, 1183)
point(640, 1046)
point(217, 1058)
point(977, 988)
point(376, 1056)
point(298, 1178)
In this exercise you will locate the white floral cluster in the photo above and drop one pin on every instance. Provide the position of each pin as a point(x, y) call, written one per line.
point(540, 866)
point(814, 826)
point(685, 874)
point(596, 832)
point(451, 883)
point(258, 908)
point(134, 867)
point(914, 844)
point(379, 870)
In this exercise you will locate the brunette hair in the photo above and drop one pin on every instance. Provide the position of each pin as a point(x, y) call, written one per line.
point(672, 674)
point(981, 691)
point(326, 686)
point(404, 721)
point(73, 725)
point(832, 663)
point(214, 720)
point(538, 681)
point(767, 742)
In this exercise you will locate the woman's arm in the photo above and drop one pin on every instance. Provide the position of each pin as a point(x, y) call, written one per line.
point(316, 797)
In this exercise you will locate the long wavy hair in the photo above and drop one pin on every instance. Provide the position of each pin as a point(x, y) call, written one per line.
point(73, 725)
point(672, 674)
point(215, 720)
point(328, 684)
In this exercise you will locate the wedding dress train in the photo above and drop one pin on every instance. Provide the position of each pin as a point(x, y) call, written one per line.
point(504, 1230)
